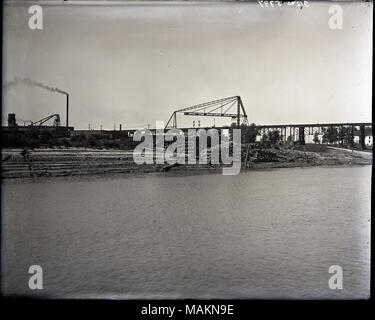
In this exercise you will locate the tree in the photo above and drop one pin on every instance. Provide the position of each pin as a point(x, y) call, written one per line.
point(316, 137)
point(93, 142)
point(331, 135)
point(348, 136)
point(248, 133)
point(274, 136)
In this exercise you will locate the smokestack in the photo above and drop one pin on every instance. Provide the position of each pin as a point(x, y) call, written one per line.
point(120, 126)
point(67, 110)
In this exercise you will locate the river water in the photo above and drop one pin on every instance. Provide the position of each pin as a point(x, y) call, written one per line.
point(264, 234)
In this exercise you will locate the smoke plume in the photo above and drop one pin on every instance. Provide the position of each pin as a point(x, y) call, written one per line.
point(30, 82)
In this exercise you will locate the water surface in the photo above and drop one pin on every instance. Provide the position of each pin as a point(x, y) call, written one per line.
point(265, 234)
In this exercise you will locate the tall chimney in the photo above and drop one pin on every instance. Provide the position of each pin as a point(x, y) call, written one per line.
point(67, 110)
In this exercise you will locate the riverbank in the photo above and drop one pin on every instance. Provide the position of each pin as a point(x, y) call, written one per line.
point(87, 162)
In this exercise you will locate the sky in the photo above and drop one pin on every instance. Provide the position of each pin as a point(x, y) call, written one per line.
point(135, 64)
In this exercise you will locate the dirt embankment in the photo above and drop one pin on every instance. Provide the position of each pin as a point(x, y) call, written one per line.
point(309, 155)
point(78, 162)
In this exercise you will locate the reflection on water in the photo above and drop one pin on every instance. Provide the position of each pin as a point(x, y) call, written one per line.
point(266, 234)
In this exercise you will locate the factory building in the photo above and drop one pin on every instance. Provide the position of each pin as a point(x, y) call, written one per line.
point(38, 126)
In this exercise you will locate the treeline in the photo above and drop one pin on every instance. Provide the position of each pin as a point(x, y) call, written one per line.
point(32, 138)
point(103, 141)
point(37, 138)
point(47, 139)
point(329, 135)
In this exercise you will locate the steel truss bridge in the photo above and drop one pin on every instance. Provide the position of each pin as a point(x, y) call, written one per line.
point(233, 107)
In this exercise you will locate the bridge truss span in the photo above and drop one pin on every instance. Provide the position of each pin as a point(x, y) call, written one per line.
point(231, 107)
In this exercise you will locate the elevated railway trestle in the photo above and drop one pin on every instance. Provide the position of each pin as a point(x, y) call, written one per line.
point(339, 132)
